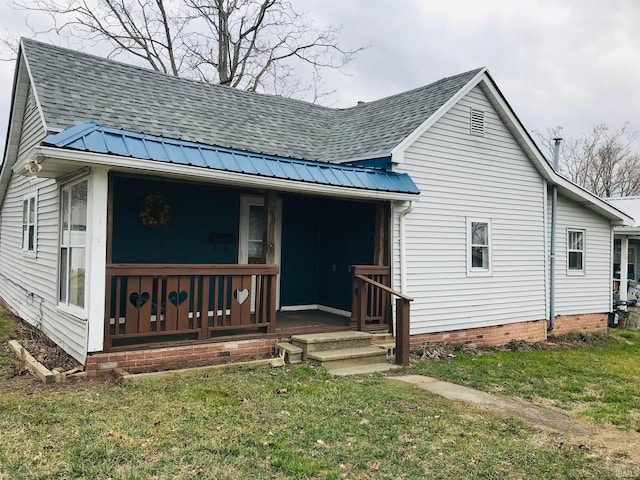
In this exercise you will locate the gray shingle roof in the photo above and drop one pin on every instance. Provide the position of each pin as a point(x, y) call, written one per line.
point(74, 87)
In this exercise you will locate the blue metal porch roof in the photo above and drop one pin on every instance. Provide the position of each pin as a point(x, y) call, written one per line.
point(93, 137)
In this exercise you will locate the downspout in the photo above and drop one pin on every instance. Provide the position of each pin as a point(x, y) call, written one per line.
point(403, 257)
point(552, 246)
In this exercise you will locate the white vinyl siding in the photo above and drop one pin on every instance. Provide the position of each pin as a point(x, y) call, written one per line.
point(463, 176)
point(588, 291)
point(32, 130)
point(29, 284)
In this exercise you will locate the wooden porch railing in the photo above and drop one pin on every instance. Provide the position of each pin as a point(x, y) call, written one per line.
point(198, 300)
point(372, 304)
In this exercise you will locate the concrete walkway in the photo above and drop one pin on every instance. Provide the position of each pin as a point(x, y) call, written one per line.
point(547, 417)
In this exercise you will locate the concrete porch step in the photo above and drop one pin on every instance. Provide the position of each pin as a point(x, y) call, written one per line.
point(390, 347)
point(382, 338)
point(319, 342)
point(289, 352)
point(347, 357)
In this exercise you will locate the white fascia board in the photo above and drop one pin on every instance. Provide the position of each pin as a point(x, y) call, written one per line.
point(19, 92)
point(218, 176)
point(626, 230)
point(397, 153)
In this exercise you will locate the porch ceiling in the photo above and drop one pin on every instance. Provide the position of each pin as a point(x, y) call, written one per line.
point(93, 138)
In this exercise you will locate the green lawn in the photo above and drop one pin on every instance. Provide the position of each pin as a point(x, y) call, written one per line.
point(235, 426)
point(601, 383)
point(6, 330)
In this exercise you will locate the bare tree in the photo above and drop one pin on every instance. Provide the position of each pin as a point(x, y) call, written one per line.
point(255, 45)
point(605, 162)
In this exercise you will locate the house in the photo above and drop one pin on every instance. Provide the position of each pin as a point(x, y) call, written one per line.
point(627, 245)
point(139, 209)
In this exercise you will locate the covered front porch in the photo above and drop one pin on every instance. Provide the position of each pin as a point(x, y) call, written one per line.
point(232, 263)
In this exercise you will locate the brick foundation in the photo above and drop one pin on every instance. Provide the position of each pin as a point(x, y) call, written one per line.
point(186, 356)
point(168, 358)
point(586, 323)
point(535, 331)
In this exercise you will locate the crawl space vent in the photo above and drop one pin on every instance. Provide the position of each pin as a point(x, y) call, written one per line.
point(477, 122)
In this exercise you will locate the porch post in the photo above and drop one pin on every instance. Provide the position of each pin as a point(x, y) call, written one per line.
point(270, 208)
point(97, 256)
point(270, 205)
point(382, 236)
point(382, 253)
point(402, 332)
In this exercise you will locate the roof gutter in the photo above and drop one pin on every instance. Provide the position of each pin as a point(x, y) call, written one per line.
point(41, 154)
point(403, 248)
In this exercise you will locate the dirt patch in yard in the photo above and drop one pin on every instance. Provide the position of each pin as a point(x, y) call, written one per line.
point(444, 351)
point(618, 449)
point(42, 348)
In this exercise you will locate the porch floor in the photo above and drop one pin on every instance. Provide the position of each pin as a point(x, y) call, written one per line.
point(310, 321)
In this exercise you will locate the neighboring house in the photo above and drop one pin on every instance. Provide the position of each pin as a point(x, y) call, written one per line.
point(141, 209)
point(627, 245)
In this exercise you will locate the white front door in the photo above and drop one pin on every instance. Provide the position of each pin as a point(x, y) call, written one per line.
point(251, 241)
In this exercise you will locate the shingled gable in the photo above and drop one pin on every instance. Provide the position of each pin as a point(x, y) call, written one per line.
point(74, 87)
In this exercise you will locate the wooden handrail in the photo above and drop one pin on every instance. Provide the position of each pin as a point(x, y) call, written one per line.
point(362, 285)
point(384, 287)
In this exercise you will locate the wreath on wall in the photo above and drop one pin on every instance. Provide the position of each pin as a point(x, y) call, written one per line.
point(154, 211)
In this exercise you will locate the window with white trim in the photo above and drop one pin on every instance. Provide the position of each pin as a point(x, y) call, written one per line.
point(575, 251)
point(478, 246)
point(29, 224)
point(73, 244)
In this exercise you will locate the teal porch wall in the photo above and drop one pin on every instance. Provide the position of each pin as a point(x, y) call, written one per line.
point(197, 212)
point(299, 263)
point(321, 239)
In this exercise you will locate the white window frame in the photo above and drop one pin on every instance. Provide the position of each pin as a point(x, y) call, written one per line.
point(30, 198)
point(477, 271)
point(573, 271)
point(65, 304)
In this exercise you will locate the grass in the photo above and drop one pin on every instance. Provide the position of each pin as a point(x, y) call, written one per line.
point(601, 383)
point(6, 331)
point(230, 426)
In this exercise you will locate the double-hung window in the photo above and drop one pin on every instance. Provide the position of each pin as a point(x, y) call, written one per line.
point(478, 246)
point(73, 244)
point(29, 224)
point(575, 251)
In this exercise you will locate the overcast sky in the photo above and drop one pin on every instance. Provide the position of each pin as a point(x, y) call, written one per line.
point(569, 63)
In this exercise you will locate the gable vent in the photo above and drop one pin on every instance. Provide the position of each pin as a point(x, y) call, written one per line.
point(477, 122)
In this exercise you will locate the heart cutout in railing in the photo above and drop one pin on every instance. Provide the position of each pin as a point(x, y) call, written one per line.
point(178, 298)
point(241, 295)
point(139, 299)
